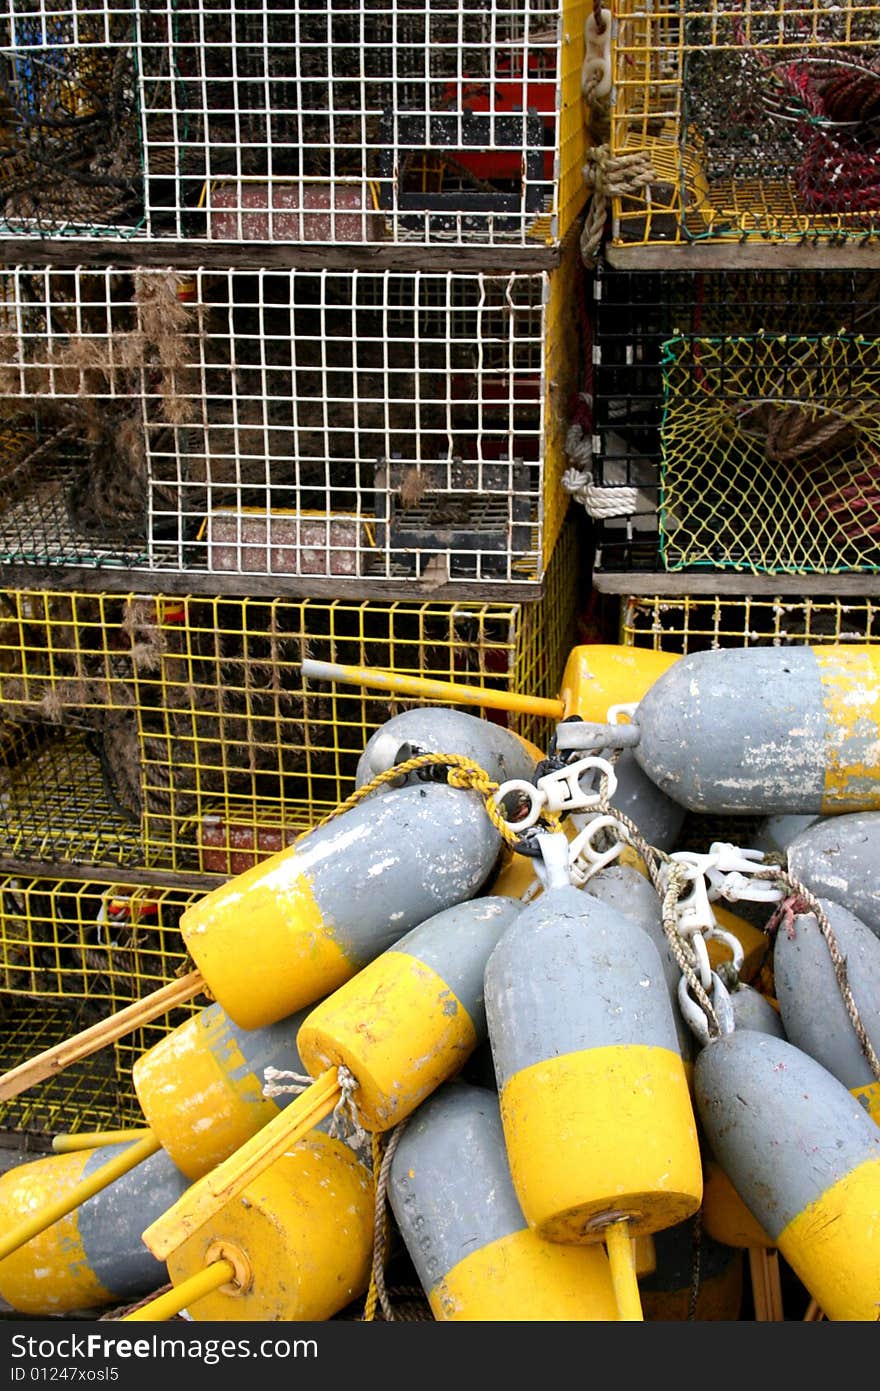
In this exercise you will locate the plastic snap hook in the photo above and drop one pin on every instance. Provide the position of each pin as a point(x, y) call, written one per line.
point(596, 68)
point(584, 859)
point(563, 788)
point(529, 793)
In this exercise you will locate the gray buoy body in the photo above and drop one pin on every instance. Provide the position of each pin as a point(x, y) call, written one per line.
point(594, 1092)
point(838, 857)
point(763, 729)
point(805, 1159)
point(810, 998)
point(657, 816)
point(455, 1206)
point(438, 729)
point(775, 833)
point(751, 1010)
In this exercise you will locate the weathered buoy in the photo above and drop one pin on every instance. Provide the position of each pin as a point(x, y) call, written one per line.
point(201, 1086)
point(594, 1095)
point(695, 1277)
point(405, 1023)
point(438, 729)
point(811, 1001)
point(752, 1010)
point(765, 729)
point(299, 1238)
point(454, 1203)
point(775, 833)
point(805, 1158)
point(94, 1256)
point(294, 927)
point(838, 857)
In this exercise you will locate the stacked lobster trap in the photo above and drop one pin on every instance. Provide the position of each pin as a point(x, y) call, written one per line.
point(287, 352)
point(746, 120)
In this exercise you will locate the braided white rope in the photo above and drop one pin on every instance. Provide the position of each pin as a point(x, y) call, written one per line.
point(599, 502)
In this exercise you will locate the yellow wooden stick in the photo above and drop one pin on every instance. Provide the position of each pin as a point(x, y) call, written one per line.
point(93, 1139)
point(102, 1178)
point(766, 1285)
point(423, 686)
point(204, 1198)
point(166, 1305)
point(82, 1045)
point(621, 1258)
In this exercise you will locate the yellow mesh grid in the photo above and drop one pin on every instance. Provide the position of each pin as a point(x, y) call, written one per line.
point(727, 99)
point(770, 454)
point(179, 732)
point(693, 623)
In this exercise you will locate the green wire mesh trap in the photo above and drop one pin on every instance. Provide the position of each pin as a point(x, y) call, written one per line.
point(770, 454)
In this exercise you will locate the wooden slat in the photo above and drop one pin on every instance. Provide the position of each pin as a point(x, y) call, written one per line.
point(682, 584)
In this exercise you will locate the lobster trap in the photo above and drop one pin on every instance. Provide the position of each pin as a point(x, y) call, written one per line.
point(73, 952)
point(423, 122)
point(696, 623)
point(751, 120)
point(391, 427)
point(181, 734)
point(70, 137)
point(714, 441)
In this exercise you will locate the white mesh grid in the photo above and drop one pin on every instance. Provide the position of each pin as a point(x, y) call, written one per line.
point(385, 425)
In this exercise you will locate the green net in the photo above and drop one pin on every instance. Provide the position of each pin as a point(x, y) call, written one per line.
point(770, 454)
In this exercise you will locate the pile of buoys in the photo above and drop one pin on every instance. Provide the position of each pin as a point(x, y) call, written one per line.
point(545, 1048)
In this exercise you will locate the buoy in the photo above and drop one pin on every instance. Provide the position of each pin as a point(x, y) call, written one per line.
point(201, 1086)
point(752, 1010)
point(299, 1239)
point(775, 833)
point(838, 857)
point(761, 729)
point(597, 1117)
point(805, 1158)
point(597, 677)
point(695, 1277)
point(94, 1255)
point(455, 1207)
point(405, 1023)
point(811, 1001)
point(292, 928)
point(438, 729)
point(624, 889)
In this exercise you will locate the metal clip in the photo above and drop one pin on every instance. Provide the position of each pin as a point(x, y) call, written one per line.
point(574, 735)
point(584, 860)
point(695, 1017)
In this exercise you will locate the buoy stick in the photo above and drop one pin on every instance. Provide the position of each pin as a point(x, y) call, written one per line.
point(208, 1195)
point(93, 1139)
point(621, 1259)
point(166, 1305)
point(101, 1178)
point(448, 691)
point(814, 1313)
point(125, 1021)
point(766, 1285)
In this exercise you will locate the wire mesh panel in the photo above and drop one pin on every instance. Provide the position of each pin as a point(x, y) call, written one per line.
point(428, 121)
point(694, 623)
point(715, 441)
point(182, 734)
point(391, 426)
point(70, 146)
point(757, 119)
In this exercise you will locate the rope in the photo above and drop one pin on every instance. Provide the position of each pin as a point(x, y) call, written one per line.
point(377, 1292)
point(800, 901)
point(462, 772)
point(597, 501)
point(609, 177)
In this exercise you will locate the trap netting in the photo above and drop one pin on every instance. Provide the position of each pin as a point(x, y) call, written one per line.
point(70, 146)
point(759, 118)
point(770, 454)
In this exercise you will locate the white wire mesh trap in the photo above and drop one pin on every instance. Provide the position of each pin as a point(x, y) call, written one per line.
point(394, 425)
point(252, 120)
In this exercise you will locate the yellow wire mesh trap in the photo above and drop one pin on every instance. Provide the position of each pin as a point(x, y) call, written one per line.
point(758, 119)
point(180, 733)
point(170, 422)
point(770, 454)
point(693, 623)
